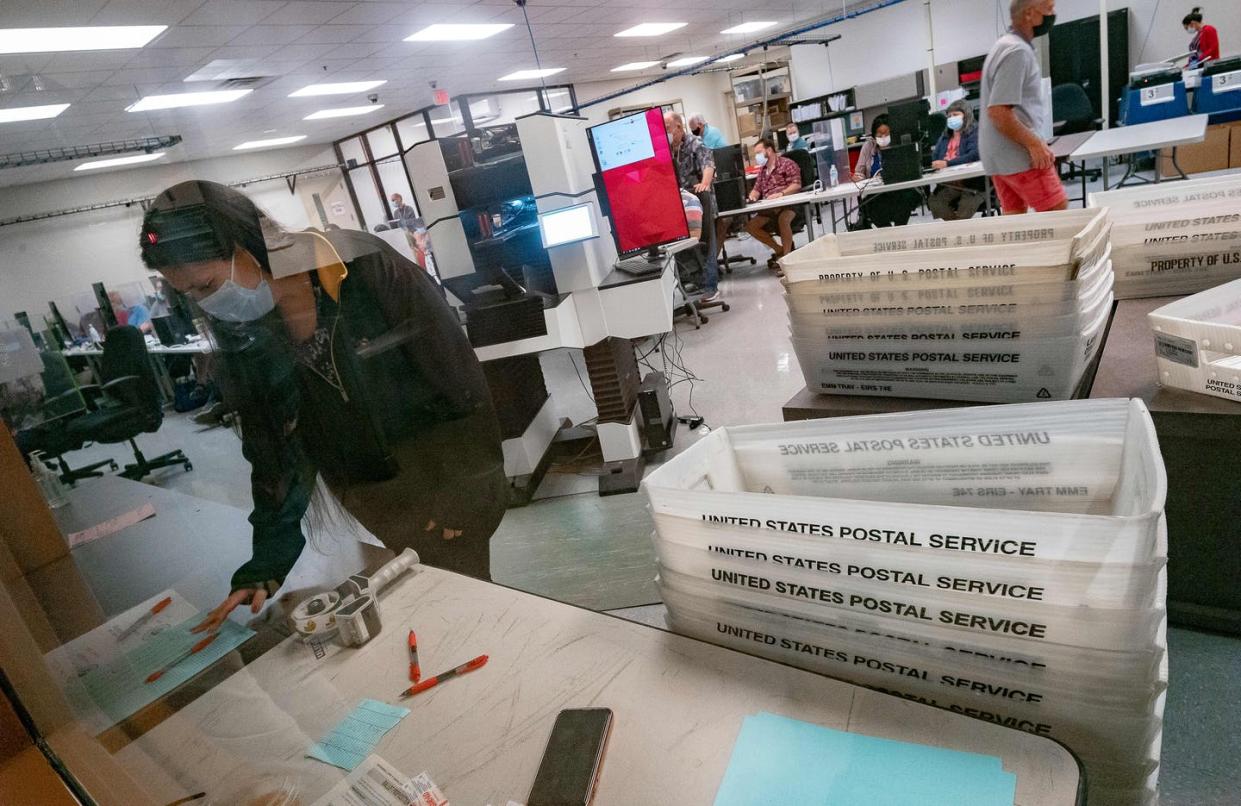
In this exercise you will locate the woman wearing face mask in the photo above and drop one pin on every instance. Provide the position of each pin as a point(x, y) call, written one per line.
point(881, 209)
point(1204, 42)
point(344, 363)
point(958, 145)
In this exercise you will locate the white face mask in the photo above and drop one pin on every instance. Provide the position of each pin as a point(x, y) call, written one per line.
point(760, 158)
point(955, 122)
point(883, 142)
point(232, 302)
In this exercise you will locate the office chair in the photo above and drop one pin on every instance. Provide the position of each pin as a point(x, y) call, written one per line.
point(129, 403)
point(691, 267)
point(63, 402)
point(1072, 112)
point(809, 173)
point(730, 195)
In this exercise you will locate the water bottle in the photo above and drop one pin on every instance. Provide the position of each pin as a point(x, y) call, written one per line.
point(834, 176)
point(49, 483)
point(94, 335)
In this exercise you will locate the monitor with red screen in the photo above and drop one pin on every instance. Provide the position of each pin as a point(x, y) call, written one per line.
point(635, 166)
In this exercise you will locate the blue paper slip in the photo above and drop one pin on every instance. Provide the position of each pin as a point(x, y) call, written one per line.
point(118, 687)
point(787, 761)
point(355, 736)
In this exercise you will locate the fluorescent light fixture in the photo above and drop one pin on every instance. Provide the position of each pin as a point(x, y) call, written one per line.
point(153, 102)
point(343, 88)
point(343, 112)
point(652, 29)
point(274, 141)
point(631, 66)
point(749, 27)
point(687, 61)
point(54, 40)
point(568, 225)
point(527, 75)
point(18, 113)
point(458, 32)
point(732, 57)
point(118, 161)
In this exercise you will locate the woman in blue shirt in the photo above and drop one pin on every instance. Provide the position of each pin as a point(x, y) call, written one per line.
point(958, 145)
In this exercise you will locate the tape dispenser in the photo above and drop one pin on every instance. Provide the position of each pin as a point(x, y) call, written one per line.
point(351, 610)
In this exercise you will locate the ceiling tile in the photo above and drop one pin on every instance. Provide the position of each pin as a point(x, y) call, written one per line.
point(88, 60)
point(38, 13)
point(169, 57)
point(334, 34)
point(189, 36)
point(233, 12)
point(144, 12)
point(308, 13)
point(272, 34)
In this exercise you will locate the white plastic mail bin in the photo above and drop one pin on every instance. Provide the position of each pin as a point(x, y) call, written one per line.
point(1198, 342)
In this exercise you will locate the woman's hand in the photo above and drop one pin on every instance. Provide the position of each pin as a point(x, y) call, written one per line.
point(939, 165)
point(857, 176)
point(255, 596)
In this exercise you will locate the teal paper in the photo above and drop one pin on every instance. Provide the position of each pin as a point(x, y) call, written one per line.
point(119, 688)
point(786, 761)
point(354, 738)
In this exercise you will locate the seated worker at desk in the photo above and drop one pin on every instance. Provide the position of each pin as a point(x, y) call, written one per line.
point(344, 362)
point(891, 209)
point(778, 176)
point(796, 141)
point(138, 315)
point(958, 145)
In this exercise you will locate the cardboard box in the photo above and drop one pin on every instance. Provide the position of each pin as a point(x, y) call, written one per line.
point(1212, 154)
point(1234, 150)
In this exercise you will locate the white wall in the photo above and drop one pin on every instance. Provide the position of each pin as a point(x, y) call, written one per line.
point(57, 258)
point(707, 94)
point(894, 41)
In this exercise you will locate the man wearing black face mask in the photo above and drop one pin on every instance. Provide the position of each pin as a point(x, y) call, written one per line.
point(1013, 153)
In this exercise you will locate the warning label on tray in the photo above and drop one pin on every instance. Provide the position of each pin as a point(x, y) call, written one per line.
point(878, 665)
point(882, 605)
point(894, 576)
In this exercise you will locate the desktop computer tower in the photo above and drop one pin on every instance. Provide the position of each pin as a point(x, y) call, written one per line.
point(656, 418)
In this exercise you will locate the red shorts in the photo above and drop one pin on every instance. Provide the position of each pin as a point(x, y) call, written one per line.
point(1038, 189)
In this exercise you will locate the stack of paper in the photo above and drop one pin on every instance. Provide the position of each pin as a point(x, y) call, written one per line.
point(1174, 237)
point(999, 310)
point(1004, 562)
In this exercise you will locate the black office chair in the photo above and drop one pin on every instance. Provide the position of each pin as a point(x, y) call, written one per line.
point(730, 195)
point(129, 403)
point(1072, 112)
point(63, 402)
point(809, 173)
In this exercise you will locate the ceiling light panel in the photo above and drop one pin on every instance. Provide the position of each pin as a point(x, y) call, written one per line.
point(152, 103)
point(687, 61)
point(59, 40)
point(749, 27)
point(119, 161)
point(631, 66)
point(652, 29)
point(343, 112)
point(20, 113)
point(732, 57)
point(527, 75)
point(274, 141)
point(458, 32)
point(343, 88)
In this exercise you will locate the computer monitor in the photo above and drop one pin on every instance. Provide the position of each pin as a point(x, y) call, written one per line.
point(907, 121)
point(637, 175)
point(568, 225)
point(729, 162)
point(901, 163)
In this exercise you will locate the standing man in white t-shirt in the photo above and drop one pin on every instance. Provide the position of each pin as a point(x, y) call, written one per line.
point(1020, 164)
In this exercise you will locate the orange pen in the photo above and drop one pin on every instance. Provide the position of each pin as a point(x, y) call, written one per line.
point(415, 671)
point(199, 647)
point(431, 682)
point(144, 618)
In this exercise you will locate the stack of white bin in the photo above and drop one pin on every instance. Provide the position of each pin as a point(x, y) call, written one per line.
point(1174, 237)
point(1004, 562)
point(1000, 310)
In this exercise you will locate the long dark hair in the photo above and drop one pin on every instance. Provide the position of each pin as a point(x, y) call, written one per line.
point(1194, 15)
point(184, 209)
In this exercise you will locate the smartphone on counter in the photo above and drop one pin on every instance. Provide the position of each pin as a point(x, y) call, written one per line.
point(570, 767)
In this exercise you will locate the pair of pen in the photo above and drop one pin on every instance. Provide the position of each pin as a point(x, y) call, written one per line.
point(415, 671)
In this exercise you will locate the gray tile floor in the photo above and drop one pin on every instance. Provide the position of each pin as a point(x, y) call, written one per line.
point(573, 545)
